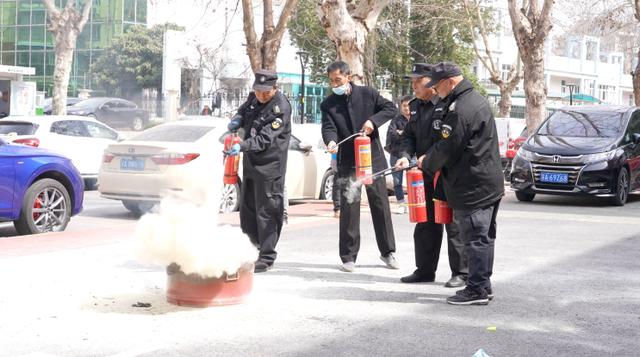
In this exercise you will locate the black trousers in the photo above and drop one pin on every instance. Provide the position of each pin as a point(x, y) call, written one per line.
point(261, 214)
point(350, 219)
point(478, 230)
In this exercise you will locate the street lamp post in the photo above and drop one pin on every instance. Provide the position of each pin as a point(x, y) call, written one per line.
point(303, 56)
point(571, 86)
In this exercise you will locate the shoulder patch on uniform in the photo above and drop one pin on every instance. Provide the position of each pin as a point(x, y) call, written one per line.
point(452, 107)
point(437, 124)
point(276, 124)
point(276, 109)
point(446, 131)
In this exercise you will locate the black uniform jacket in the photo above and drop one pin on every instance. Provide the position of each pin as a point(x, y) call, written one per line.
point(468, 152)
point(420, 134)
point(343, 115)
point(394, 140)
point(267, 130)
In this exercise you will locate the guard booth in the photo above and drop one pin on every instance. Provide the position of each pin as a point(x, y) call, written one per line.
point(18, 97)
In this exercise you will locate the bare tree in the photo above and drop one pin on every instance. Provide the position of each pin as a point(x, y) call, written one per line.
point(348, 25)
point(531, 25)
point(507, 85)
point(65, 25)
point(264, 52)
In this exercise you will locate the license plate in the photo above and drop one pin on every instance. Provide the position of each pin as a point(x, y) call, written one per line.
point(132, 164)
point(554, 177)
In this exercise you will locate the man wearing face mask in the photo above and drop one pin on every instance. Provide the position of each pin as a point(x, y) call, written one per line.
point(266, 120)
point(351, 109)
point(469, 160)
point(422, 132)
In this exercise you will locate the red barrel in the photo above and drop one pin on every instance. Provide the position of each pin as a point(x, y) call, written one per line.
point(443, 214)
point(231, 162)
point(416, 195)
point(196, 291)
point(362, 146)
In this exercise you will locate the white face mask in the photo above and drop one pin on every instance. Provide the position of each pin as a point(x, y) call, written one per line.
point(341, 90)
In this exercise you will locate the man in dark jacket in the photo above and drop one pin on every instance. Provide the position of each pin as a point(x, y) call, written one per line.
point(266, 119)
point(394, 146)
point(350, 109)
point(420, 134)
point(469, 159)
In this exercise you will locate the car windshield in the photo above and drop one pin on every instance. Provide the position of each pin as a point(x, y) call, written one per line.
point(89, 103)
point(174, 133)
point(19, 128)
point(585, 124)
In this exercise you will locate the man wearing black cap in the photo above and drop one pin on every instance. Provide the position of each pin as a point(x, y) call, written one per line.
point(266, 120)
point(422, 131)
point(469, 160)
point(351, 109)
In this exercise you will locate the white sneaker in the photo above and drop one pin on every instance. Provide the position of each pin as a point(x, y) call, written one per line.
point(400, 210)
point(390, 261)
point(348, 267)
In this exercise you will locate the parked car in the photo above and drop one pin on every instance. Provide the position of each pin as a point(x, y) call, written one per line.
point(39, 189)
point(48, 104)
point(82, 139)
point(118, 113)
point(591, 150)
point(140, 171)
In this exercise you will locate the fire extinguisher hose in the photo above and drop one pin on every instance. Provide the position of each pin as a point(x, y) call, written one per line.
point(346, 139)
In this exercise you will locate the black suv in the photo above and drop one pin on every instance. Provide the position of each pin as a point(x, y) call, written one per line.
point(592, 150)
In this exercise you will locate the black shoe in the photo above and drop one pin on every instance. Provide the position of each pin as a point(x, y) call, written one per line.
point(469, 297)
point(416, 278)
point(488, 290)
point(456, 282)
point(261, 267)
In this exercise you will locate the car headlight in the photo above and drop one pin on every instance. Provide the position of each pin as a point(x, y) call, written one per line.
point(601, 156)
point(526, 154)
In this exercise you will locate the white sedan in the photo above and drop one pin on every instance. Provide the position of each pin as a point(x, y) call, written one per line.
point(81, 139)
point(167, 158)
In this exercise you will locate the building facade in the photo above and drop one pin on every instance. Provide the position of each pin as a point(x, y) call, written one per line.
point(25, 41)
point(578, 68)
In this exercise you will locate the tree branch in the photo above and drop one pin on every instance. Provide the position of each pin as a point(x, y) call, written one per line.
point(287, 10)
point(51, 9)
point(250, 34)
point(368, 12)
point(86, 11)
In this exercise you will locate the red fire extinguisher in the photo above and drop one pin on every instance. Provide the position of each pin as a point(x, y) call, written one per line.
point(443, 214)
point(231, 162)
point(417, 202)
point(362, 146)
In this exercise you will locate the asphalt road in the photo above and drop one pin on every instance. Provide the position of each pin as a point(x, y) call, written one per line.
point(566, 279)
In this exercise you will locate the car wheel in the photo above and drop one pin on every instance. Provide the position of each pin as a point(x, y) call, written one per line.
point(139, 207)
point(230, 198)
point(137, 124)
point(46, 207)
point(326, 189)
point(525, 197)
point(622, 188)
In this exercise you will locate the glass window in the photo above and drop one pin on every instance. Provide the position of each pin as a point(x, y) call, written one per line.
point(585, 124)
point(95, 33)
point(100, 131)
point(8, 13)
point(37, 61)
point(49, 38)
point(174, 133)
point(24, 14)
point(37, 37)
point(8, 38)
point(8, 58)
point(20, 128)
point(84, 38)
point(69, 128)
point(129, 10)
point(633, 127)
point(23, 59)
point(24, 37)
point(50, 61)
point(37, 14)
point(141, 11)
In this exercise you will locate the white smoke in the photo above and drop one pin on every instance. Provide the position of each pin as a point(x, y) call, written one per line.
point(185, 230)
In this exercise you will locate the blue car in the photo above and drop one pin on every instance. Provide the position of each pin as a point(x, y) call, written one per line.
point(39, 190)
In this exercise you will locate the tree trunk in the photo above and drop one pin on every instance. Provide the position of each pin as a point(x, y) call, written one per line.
point(535, 89)
point(504, 104)
point(65, 44)
point(636, 82)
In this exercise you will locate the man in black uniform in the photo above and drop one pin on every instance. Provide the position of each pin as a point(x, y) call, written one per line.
point(469, 159)
point(350, 109)
point(266, 120)
point(422, 131)
point(394, 146)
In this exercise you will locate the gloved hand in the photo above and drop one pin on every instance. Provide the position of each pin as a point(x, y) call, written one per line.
point(235, 150)
point(235, 123)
